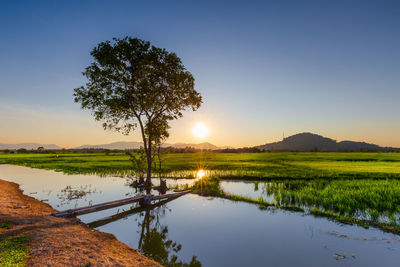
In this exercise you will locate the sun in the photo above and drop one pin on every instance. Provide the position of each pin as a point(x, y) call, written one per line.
point(200, 130)
point(200, 173)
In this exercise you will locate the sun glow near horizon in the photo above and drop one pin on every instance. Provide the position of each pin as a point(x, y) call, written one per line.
point(200, 173)
point(201, 130)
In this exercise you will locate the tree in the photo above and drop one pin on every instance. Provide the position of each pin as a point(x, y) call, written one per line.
point(22, 150)
point(132, 84)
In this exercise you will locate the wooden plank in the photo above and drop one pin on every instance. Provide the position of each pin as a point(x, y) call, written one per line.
point(127, 213)
point(177, 194)
point(97, 207)
point(113, 204)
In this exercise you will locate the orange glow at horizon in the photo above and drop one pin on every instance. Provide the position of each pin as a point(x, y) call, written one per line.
point(200, 173)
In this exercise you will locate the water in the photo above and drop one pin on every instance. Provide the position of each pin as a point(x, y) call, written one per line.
point(218, 232)
point(247, 188)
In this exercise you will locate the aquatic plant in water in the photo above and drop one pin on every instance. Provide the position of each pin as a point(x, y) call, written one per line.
point(377, 200)
point(208, 186)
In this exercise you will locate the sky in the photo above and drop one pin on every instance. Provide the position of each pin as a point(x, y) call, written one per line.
point(264, 68)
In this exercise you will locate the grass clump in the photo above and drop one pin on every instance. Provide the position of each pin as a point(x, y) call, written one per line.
point(208, 186)
point(376, 200)
point(262, 203)
point(351, 220)
point(5, 225)
point(292, 208)
point(14, 251)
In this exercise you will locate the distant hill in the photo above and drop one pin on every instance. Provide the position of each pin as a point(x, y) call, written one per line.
point(314, 142)
point(114, 145)
point(297, 142)
point(137, 145)
point(28, 146)
point(205, 145)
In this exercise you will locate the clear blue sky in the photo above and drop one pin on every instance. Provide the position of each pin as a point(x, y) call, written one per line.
point(263, 67)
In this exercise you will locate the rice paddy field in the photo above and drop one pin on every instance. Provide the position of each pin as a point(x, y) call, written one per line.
point(361, 188)
point(255, 166)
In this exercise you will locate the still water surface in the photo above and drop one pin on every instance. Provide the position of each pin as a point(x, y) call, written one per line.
point(217, 232)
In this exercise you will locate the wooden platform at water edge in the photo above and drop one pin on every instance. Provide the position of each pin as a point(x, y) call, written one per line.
point(143, 200)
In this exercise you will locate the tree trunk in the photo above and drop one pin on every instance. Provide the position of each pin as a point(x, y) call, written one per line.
point(147, 149)
point(149, 163)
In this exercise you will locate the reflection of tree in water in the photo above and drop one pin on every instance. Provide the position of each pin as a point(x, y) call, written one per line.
point(155, 244)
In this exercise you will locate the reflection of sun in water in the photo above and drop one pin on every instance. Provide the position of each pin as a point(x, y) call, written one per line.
point(200, 130)
point(200, 174)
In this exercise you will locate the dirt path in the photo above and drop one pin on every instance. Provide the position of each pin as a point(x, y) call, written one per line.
point(59, 241)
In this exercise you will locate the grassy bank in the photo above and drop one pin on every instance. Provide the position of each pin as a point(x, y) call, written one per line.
point(226, 165)
point(14, 251)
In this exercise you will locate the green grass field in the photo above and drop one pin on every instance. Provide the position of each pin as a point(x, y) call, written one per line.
point(358, 188)
point(225, 165)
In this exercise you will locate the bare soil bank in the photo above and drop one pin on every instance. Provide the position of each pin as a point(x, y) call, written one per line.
point(59, 241)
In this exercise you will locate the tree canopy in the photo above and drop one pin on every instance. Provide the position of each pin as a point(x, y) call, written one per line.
point(133, 84)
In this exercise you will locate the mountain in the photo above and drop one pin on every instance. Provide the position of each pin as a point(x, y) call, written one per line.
point(114, 145)
point(205, 145)
point(315, 142)
point(136, 145)
point(297, 142)
point(350, 145)
point(28, 146)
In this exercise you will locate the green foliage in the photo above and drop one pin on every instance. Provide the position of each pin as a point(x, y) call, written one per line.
point(182, 187)
point(374, 214)
point(292, 208)
point(262, 203)
point(14, 251)
point(368, 197)
point(317, 212)
point(393, 220)
point(256, 185)
point(22, 150)
point(351, 220)
point(134, 84)
point(129, 77)
point(5, 225)
point(208, 186)
point(138, 163)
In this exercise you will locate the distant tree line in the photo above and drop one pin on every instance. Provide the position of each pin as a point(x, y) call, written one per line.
point(166, 150)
